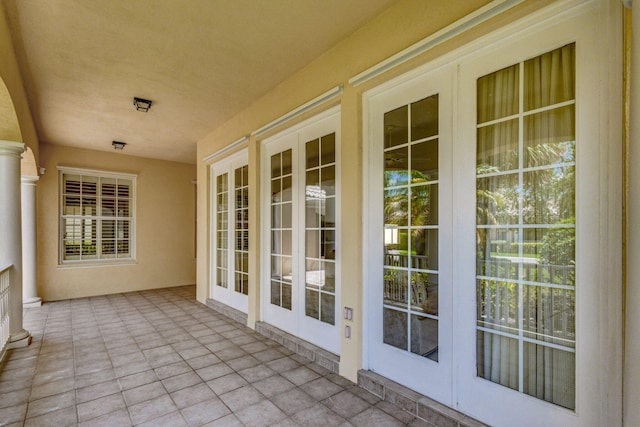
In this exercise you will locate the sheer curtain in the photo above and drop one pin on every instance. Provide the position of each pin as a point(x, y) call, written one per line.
point(525, 227)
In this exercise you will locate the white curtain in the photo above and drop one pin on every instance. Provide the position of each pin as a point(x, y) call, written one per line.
point(505, 354)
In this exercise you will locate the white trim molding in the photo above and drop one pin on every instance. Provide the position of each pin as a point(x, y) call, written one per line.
point(221, 152)
point(297, 112)
point(470, 21)
point(96, 172)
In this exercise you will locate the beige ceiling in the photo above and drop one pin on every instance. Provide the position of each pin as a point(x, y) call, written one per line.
point(199, 61)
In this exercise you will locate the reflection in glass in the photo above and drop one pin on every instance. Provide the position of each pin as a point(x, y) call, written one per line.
point(222, 211)
point(411, 228)
point(425, 249)
point(313, 182)
point(328, 149)
point(424, 205)
point(499, 94)
point(241, 248)
point(320, 219)
point(550, 363)
point(312, 303)
point(424, 293)
point(548, 315)
point(525, 235)
point(312, 151)
point(396, 206)
point(328, 180)
point(312, 243)
point(497, 305)
point(276, 165)
point(549, 196)
point(424, 118)
point(275, 293)
point(286, 162)
point(395, 327)
point(396, 165)
point(497, 199)
point(497, 147)
point(281, 229)
point(327, 308)
point(424, 336)
point(550, 78)
point(424, 161)
point(550, 137)
point(287, 189)
point(396, 127)
point(396, 248)
point(286, 296)
point(396, 286)
point(491, 347)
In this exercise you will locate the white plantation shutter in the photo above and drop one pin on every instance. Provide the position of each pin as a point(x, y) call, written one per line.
point(97, 215)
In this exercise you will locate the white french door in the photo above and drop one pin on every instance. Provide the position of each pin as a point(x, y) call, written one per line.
point(300, 284)
point(487, 209)
point(411, 231)
point(230, 231)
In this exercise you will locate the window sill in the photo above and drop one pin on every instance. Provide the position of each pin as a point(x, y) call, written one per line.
point(97, 264)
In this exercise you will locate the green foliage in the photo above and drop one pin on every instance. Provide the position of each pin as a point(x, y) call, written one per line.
point(558, 246)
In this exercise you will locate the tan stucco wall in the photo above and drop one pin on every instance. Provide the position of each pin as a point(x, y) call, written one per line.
point(10, 76)
point(400, 26)
point(165, 211)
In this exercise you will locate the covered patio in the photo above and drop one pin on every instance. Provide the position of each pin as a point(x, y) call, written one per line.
point(161, 358)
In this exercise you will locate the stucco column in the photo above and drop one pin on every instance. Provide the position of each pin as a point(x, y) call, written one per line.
point(11, 236)
point(30, 296)
point(631, 390)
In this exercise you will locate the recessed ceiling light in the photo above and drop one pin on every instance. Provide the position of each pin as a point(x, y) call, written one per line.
point(118, 145)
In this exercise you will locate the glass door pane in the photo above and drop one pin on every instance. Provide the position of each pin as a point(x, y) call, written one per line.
point(320, 229)
point(525, 227)
point(410, 303)
point(281, 229)
point(230, 243)
point(222, 230)
point(241, 184)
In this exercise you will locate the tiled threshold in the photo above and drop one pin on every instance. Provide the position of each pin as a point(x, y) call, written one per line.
point(416, 404)
point(314, 353)
point(420, 406)
point(301, 347)
point(225, 310)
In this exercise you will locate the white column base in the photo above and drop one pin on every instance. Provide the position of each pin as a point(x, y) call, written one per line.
point(31, 302)
point(20, 339)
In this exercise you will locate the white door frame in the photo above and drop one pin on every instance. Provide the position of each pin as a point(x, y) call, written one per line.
point(295, 321)
point(598, 205)
point(227, 296)
point(403, 366)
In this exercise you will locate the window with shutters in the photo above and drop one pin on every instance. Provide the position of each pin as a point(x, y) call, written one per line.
point(97, 216)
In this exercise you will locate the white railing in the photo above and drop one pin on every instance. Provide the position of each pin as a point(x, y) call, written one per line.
point(5, 274)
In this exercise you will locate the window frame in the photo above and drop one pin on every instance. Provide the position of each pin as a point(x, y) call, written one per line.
point(99, 260)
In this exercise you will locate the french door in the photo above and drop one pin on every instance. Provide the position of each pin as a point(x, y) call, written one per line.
point(484, 229)
point(411, 232)
point(230, 231)
point(300, 287)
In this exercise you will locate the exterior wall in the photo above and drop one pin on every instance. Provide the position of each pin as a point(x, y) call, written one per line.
point(10, 75)
point(164, 227)
point(376, 41)
point(631, 392)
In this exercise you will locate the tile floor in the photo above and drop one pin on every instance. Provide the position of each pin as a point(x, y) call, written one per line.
point(160, 358)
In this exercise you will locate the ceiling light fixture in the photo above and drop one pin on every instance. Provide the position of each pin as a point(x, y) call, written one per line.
point(118, 145)
point(142, 104)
